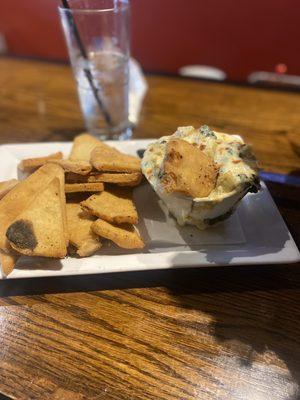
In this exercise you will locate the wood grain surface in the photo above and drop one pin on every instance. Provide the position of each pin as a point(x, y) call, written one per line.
point(221, 333)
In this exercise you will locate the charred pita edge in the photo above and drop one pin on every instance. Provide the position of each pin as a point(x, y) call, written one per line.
point(39, 229)
point(21, 234)
point(21, 196)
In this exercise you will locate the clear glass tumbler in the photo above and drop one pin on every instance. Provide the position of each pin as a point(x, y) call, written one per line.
point(97, 36)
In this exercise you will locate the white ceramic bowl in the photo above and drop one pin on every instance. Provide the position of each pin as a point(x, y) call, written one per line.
point(238, 175)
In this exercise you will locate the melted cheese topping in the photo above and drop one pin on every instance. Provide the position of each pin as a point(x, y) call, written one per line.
point(237, 165)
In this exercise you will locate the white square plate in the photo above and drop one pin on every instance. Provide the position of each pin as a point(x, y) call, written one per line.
point(255, 234)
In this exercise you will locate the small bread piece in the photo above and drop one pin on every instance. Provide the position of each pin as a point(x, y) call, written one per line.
point(6, 186)
point(8, 261)
point(188, 170)
point(77, 167)
point(23, 194)
point(125, 236)
point(33, 163)
point(84, 187)
point(39, 230)
point(82, 147)
point(120, 179)
point(70, 177)
point(106, 158)
point(80, 233)
point(115, 206)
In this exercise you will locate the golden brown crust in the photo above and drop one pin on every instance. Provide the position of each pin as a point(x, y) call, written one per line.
point(8, 261)
point(125, 236)
point(32, 163)
point(82, 147)
point(80, 232)
point(188, 170)
point(114, 205)
point(76, 167)
point(6, 186)
point(119, 178)
point(23, 194)
point(106, 158)
point(39, 229)
point(84, 187)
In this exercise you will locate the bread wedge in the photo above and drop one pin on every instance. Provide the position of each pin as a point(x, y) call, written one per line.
point(21, 196)
point(39, 229)
point(6, 187)
point(30, 164)
point(106, 158)
point(125, 235)
point(82, 147)
point(113, 205)
point(80, 233)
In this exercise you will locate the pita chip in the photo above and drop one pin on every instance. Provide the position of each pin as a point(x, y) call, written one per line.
point(121, 179)
point(114, 205)
point(39, 229)
point(82, 147)
point(21, 196)
point(125, 235)
point(188, 170)
point(106, 158)
point(80, 233)
point(33, 163)
point(6, 187)
point(84, 187)
point(76, 167)
point(8, 261)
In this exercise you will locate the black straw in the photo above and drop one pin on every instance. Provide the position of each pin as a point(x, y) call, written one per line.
point(86, 70)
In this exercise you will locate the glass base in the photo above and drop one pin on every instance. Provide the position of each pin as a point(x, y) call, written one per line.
point(101, 134)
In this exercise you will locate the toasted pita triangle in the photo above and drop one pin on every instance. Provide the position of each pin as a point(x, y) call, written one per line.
point(6, 187)
point(84, 187)
point(106, 158)
point(83, 145)
point(76, 167)
point(125, 235)
point(80, 232)
point(39, 229)
point(113, 205)
point(33, 163)
point(8, 262)
point(22, 195)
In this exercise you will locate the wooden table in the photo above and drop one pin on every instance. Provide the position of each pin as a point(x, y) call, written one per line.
point(219, 333)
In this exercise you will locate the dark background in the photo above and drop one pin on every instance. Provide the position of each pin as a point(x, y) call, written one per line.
point(237, 36)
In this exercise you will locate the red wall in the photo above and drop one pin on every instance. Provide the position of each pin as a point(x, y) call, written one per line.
point(238, 36)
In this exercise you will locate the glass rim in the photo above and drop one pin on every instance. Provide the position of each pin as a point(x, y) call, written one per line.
point(121, 7)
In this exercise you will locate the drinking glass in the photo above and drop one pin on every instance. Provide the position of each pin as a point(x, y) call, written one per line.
point(97, 36)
